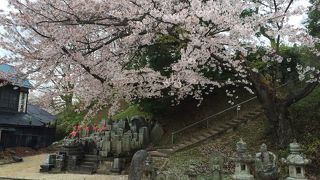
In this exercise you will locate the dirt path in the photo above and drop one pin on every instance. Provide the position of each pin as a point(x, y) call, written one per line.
point(29, 169)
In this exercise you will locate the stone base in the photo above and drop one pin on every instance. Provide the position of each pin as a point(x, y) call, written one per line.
point(243, 177)
point(290, 178)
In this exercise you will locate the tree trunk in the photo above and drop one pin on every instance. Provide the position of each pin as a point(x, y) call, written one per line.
point(278, 116)
point(276, 108)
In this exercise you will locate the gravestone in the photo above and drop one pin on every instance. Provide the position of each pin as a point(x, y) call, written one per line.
point(118, 165)
point(60, 162)
point(141, 138)
point(265, 164)
point(138, 122)
point(134, 141)
point(114, 139)
point(145, 137)
point(120, 131)
point(137, 165)
point(156, 133)
point(105, 147)
point(48, 163)
point(126, 142)
point(118, 143)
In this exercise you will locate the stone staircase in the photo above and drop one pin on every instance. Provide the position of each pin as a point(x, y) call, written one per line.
point(206, 134)
point(89, 164)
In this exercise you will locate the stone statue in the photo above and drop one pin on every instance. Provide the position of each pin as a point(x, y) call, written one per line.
point(216, 163)
point(265, 164)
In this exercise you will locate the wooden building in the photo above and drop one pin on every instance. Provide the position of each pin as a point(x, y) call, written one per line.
point(21, 124)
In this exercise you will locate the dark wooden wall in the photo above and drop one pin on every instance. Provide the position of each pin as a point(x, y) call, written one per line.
point(36, 137)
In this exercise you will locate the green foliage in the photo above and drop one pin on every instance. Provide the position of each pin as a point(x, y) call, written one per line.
point(248, 12)
point(157, 107)
point(160, 55)
point(66, 119)
point(314, 17)
point(132, 110)
point(306, 119)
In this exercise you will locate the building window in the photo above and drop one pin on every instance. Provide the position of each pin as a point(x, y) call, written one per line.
point(9, 99)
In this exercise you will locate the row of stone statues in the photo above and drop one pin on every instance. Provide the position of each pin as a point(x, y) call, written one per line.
point(262, 166)
point(119, 139)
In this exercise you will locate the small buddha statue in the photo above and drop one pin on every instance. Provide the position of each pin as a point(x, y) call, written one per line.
point(265, 164)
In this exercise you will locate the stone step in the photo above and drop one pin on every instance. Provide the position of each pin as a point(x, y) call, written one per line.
point(194, 140)
point(90, 159)
point(237, 120)
point(233, 124)
point(90, 156)
point(201, 137)
point(89, 163)
point(166, 151)
point(85, 170)
point(180, 146)
point(225, 126)
point(242, 119)
point(213, 131)
point(206, 134)
point(157, 154)
point(86, 166)
point(248, 115)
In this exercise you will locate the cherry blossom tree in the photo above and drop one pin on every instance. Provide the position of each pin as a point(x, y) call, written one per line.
point(99, 38)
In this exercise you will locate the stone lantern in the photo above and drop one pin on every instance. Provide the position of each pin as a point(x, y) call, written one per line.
point(243, 160)
point(296, 162)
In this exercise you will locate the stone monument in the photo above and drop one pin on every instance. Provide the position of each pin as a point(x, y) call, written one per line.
point(137, 166)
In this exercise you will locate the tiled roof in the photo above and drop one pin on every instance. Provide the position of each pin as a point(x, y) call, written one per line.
point(35, 116)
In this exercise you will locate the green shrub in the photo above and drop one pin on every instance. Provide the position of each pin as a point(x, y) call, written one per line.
point(132, 110)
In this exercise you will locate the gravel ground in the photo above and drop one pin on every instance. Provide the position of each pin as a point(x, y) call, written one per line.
point(29, 169)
